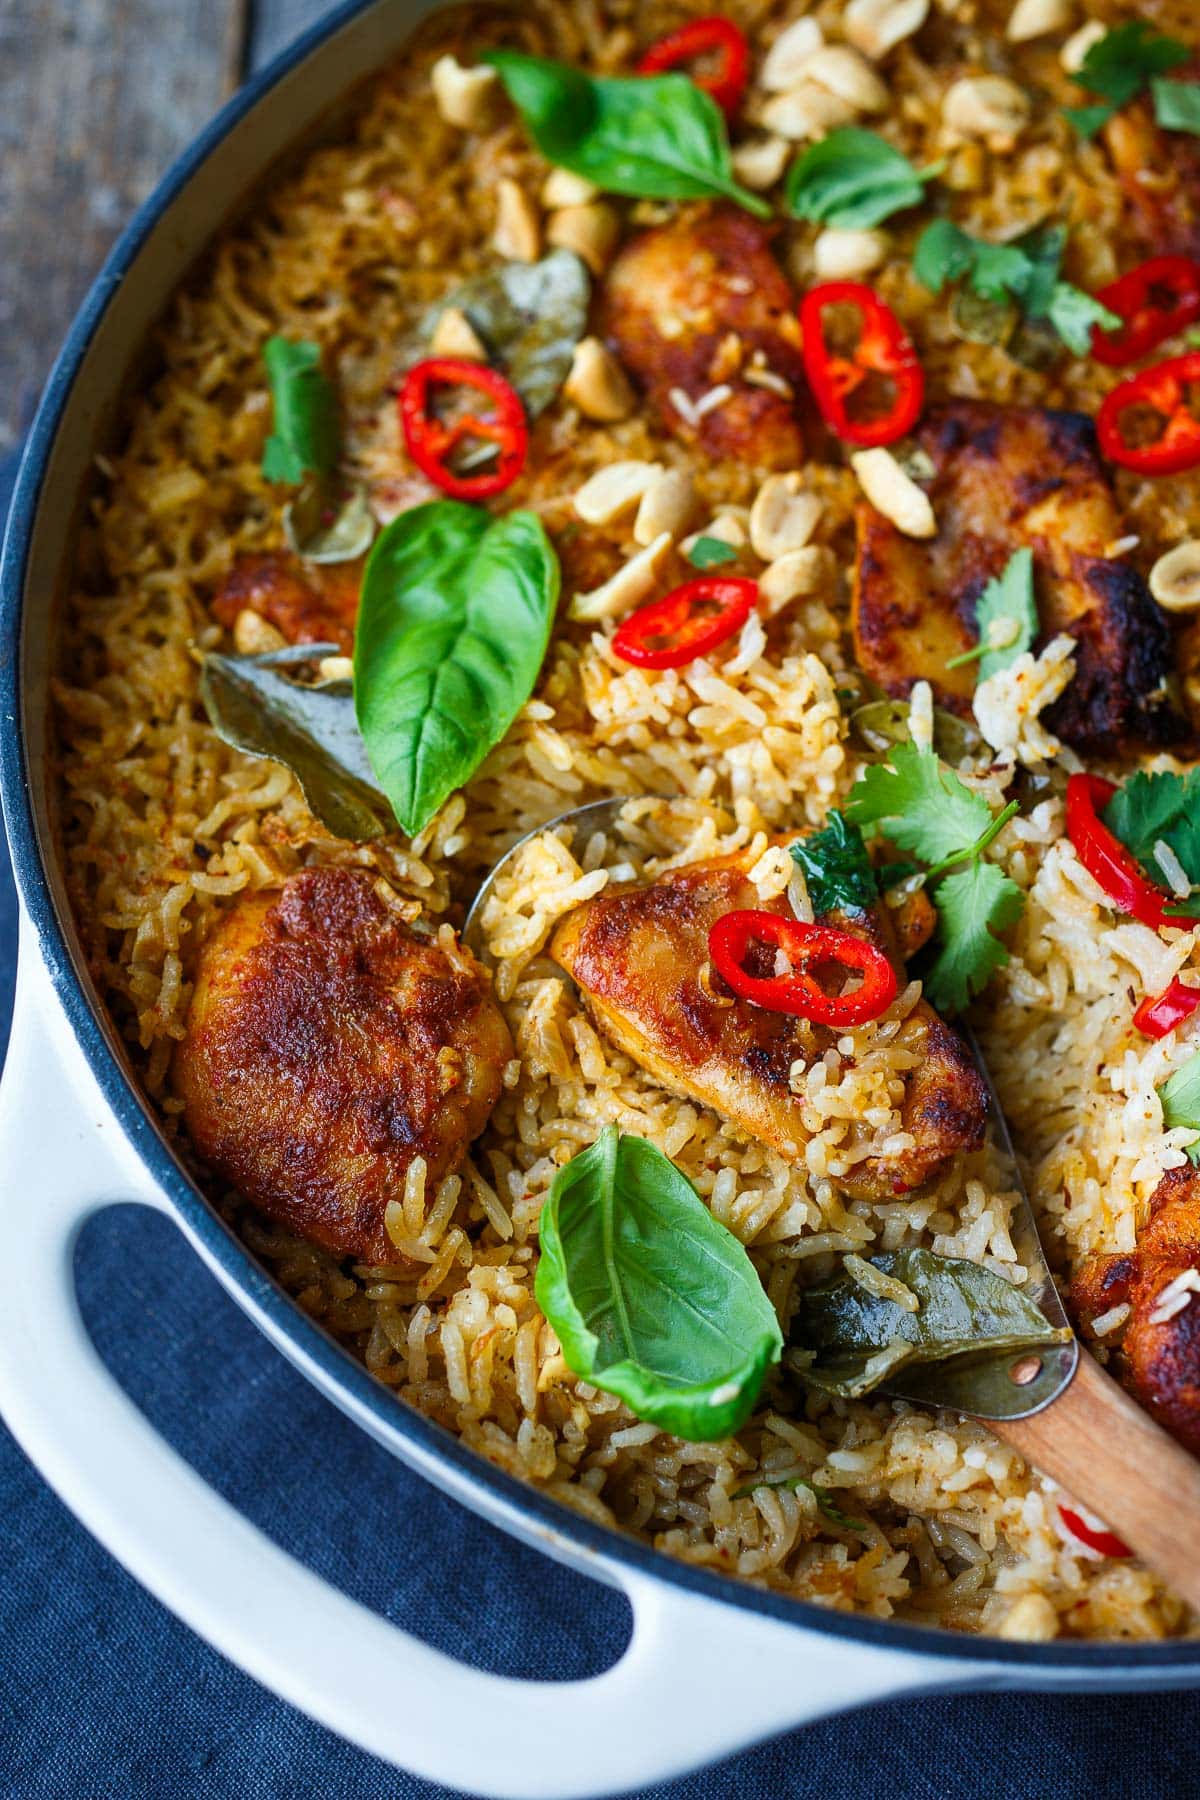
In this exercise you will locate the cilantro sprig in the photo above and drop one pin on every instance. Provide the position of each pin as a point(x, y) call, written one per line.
point(1006, 614)
point(1148, 811)
point(1126, 62)
point(1025, 274)
point(918, 803)
point(1180, 1098)
point(711, 553)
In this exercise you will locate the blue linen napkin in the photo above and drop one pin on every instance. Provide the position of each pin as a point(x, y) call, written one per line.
point(105, 1696)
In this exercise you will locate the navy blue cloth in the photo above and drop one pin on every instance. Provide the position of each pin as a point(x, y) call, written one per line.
point(105, 1696)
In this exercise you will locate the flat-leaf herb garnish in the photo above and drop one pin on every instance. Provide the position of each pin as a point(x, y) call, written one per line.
point(455, 617)
point(1007, 617)
point(1121, 65)
point(837, 870)
point(914, 800)
point(651, 1297)
point(530, 316)
point(1177, 105)
point(1021, 280)
point(311, 730)
point(1150, 812)
point(852, 1341)
point(328, 521)
point(711, 553)
point(653, 137)
point(853, 179)
point(1180, 1097)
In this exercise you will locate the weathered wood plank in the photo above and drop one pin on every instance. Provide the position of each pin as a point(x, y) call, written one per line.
point(96, 97)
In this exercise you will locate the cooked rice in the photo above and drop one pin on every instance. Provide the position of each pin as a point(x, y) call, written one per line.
point(164, 827)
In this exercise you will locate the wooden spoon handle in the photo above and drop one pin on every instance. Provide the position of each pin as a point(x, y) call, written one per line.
point(1111, 1455)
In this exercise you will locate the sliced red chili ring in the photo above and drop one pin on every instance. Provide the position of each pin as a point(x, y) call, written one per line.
point(1155, 300)
point(1095, 1537)
point(1158, 1015)
point(736, 934)
point(883, 348)
point(686, 623)
point(1105, 857)
point(432, 441)
point(699, 38)
point(1163, 388)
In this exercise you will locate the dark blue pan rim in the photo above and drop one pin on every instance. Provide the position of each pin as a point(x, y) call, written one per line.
point(498, 1495)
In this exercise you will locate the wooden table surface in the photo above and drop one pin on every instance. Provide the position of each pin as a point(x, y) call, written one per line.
point(96, 98)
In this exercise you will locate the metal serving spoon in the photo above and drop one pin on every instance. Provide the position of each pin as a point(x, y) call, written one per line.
point(1054, 1405)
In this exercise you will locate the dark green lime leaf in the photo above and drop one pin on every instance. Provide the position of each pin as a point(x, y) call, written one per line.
point(822, 1496)
point(530, 316)
point(972, 904)
point(711, 553)
point(853, 179)
point(311, 730)
point(455, 617)
point(306, 437)
point(1177, 105)
point(326, 524)
point(657, 137)
point(1126, 59)
point(652, 1298)
point(1180, 1098)
point(837, 870)
point(963, 1310)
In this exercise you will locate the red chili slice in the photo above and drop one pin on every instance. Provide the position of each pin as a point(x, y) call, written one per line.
point(432, 441)
point(883, 348)
point(717, 36)
point(1105, 857)
point(1161, 1014)
point(676, 629)
point(1155, 300)
point(735, 934)
point(1097, 1538)
point(1162, 388)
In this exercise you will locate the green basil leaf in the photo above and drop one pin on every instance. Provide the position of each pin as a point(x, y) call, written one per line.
point(837, 869)
point(711, 553)
point(306, 435)
point(530, 316)
point(1180, 1098)
point(326, 524)
point(455, 617)
point(1177, 105)
point(656, 137)
point(1122, 62)
point(311, 730)
point(854, 1341)
point(651, 1297)
point(853, 179)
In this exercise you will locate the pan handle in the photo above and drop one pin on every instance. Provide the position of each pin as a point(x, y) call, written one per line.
point(697, 1680)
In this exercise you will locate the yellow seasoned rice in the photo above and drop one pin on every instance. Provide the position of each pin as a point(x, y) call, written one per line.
point(163, 827)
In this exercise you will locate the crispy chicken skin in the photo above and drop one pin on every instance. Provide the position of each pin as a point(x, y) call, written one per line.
point(327, 1046)
point(309, 603)
point(1160, 1364)
point(638, 958)
point(691, 306)
point(1160, 174)
point(1007, 477)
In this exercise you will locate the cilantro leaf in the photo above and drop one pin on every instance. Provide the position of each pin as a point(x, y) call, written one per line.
point(921, 805)
point(1088, 120)
point(837, 869)
point(972, 903)
point(1008, 598)
point(1162, 808)
point(1073, 314)
point(943, 252)
point(998, 270)
point(711, 553)
point(1180, 1098)
point(1024, 274)
point(853, 179)
point(1126, 59)
point(1177, 105)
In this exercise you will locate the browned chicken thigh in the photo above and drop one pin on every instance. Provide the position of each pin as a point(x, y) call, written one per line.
point(640, 959)
point(327, 1046)
point(700, 306)
point(308, 603)
point(1160, 173)
point(1007, 478)
point(1160, 1357)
